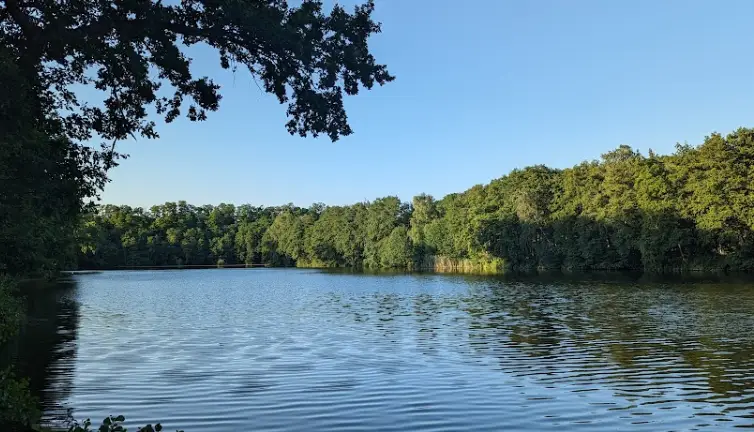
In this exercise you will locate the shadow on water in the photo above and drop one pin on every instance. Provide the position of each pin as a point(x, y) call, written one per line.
point(44, 350)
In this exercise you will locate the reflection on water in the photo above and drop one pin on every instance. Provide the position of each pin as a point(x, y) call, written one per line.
point(227, 350)
point(44, 350)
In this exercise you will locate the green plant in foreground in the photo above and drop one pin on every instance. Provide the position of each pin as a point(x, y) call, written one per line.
point(112, 424)
point(17, 405)
point(11, 309)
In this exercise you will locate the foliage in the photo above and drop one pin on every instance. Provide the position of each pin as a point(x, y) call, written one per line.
point(395, 250)
point(693, 209)
point(134, 54)
point(11, 309)
point(129, 50)
point(44, 180)
point(18, 408)
point(17, 405)
point(112, 424)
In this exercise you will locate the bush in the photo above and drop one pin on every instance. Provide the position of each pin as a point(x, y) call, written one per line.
point(112, 424)
point(11, 309)
point(17, 406)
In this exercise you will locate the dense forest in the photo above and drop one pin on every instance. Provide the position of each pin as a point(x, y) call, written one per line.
point(693, 209)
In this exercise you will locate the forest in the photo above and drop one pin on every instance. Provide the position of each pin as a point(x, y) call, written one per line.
point(690, 210)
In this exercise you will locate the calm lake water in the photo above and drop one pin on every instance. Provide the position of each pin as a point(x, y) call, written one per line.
point(267, 350)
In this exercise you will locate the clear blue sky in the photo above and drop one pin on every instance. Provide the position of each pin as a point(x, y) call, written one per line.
point(482, 87)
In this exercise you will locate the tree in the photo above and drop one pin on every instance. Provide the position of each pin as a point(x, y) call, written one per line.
point(304, 56)
point(251, 228)
point(395, 250)
point(283, 243)
point(424, 211)
point(42, 181)
point(135, 54)
point(383, 215)
point(322, 238)
point(350, 240)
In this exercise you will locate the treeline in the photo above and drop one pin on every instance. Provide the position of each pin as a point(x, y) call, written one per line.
point(309, 56)
point(693, 209)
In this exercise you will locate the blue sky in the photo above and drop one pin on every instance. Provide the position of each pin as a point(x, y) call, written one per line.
point(482, 87)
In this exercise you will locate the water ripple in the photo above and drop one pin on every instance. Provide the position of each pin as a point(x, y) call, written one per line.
point(293, 350)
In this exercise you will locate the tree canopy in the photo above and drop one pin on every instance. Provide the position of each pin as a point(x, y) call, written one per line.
point(130, 49)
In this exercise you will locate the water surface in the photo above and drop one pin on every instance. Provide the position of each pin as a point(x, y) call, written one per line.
point(266, 349)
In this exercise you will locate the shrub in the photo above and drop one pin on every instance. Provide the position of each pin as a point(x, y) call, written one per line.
point(112, 424)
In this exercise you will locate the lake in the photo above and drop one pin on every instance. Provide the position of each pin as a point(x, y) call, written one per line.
point(290, 349)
